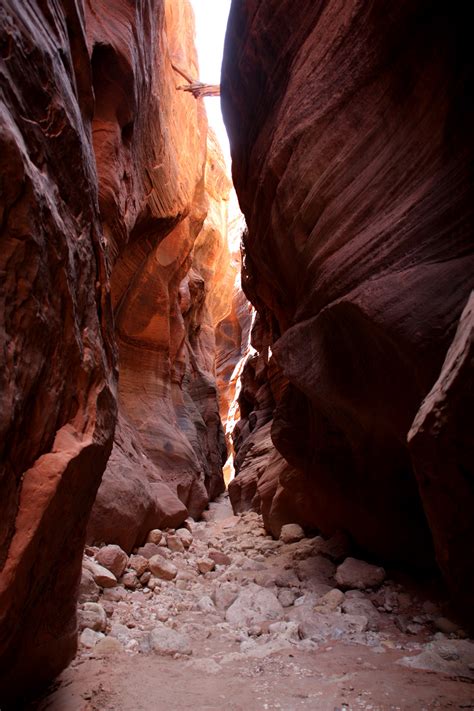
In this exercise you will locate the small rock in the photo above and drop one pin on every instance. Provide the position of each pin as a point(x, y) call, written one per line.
point(358, 574)
point(130, 581)
point(154, 536)
point(114, 594)
point(108, 646)
point(224, 595)
point(175, 543)
point(92, 615)
point(89, 638)
point(102, 576)
point(205, 565)
point(88, 588)
point(291, 533)
point(113, 558)
point(164, 640)
point(286, 597)
point(139, 564)
point(361, 606)
point(205, 604)
point(219, 558)
point(444, 625)
point(145, 578)
point(162, 568)
point(151, 549)
point(330, 601)
point(253, 605)
point(185, 536)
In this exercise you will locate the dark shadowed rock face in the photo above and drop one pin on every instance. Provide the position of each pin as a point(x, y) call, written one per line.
point(57, 374)
point(442, 449)
point(351, 143)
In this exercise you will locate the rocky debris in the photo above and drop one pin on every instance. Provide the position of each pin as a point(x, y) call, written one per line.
point(161, 568)
point(185, 536)
point(254, 605)
point(164, 640)
point(175, 543)
point(291, 533)
point(154, 536)
point(265, 602)
point(205, 565)
point(219, 557)
point(92, 615)
point(353, 573)
point(88, 588)
point(452, 657)
point(113, 558)
point(102, 577)
point(139, 564)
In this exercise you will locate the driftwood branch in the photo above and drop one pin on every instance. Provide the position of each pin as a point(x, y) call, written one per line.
point(198, 89)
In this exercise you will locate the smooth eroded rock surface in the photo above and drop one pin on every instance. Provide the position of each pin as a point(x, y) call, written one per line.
point(351, 147)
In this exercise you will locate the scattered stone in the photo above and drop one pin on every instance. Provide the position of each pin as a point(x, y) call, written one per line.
point(89, 638)
point(291, 533)
point(337, 548)
point(108, 646)
point(185, 536)
point(166, 641)
point(151, 549)
point(253, 605)
point(330, 601)
point(332, 625)
point(205, 565)
point(205, 604)
point(154, 536)
point(145, 578)
point(162, 568)
point(102, 576)
point(224, 595)
point(175, 543)
point(219, 558)
point(130, 581)
point(113, 558)
point(139, 564)
point(358, 574)
point(92, 615)
point(286, 597)
point(452, 657)
point(88, 588)
point(444, 625)
point(363, 606)
point(114, 594)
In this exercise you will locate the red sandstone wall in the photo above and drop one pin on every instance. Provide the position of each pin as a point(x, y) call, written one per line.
point(351, 143)
point(105, 187)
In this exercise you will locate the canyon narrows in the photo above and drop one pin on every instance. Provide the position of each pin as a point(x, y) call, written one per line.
point(133, 364)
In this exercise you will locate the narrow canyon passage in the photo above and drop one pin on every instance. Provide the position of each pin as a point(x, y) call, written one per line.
point(236, 362)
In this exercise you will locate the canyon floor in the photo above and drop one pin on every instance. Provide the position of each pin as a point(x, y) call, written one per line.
point(266, 629)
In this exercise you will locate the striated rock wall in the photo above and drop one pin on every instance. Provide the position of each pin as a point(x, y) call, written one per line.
point(350, 135)
point(113, 253)
point(163, 197)
point(57, 373)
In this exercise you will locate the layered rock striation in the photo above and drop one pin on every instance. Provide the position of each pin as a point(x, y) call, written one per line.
point(352, 156)
point(113, 253)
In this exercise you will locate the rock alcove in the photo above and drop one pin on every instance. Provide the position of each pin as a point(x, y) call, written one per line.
point(130, 362)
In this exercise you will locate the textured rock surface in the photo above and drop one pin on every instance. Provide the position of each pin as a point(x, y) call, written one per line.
point(57, 402)
point(442, 449)
point(106, 182)
point(166, 224)
point(351, 149)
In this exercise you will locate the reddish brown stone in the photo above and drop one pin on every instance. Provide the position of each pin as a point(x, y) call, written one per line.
point(351, 145)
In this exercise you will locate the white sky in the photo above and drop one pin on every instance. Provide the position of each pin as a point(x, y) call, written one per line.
point(211, 22)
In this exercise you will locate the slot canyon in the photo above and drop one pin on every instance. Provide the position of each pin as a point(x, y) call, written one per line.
point(236, 394)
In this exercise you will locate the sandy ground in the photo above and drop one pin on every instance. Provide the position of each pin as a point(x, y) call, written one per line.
point(228, 669)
